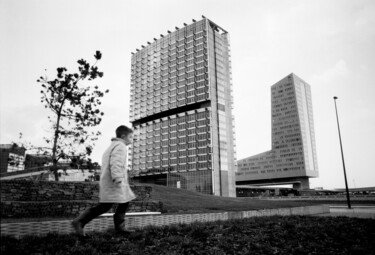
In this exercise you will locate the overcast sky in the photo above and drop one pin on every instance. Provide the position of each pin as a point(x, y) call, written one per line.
point(329, 44)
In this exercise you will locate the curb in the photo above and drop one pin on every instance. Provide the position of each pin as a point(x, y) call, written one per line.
point(104, 223)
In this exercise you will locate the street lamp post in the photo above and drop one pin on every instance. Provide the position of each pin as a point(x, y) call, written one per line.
point(342, 155)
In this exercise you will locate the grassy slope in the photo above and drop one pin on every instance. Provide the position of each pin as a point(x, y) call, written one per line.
point(179, 200)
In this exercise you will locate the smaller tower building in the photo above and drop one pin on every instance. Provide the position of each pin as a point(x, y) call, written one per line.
point(292, 158)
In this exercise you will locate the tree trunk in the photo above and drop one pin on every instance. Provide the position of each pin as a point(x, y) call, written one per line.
point(54, 149)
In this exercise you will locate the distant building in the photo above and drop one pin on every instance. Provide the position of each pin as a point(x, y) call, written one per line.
point(293, 155)
point(12, 158)
point(181, 110)
point(37, 160)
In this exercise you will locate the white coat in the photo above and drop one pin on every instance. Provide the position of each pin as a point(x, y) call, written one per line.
point(114, 169)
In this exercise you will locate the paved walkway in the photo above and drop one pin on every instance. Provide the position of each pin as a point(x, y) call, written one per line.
point(136, 220)
point(355, 211)
point(106, 222)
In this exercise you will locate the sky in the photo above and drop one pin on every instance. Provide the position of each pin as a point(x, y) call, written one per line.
point(329, 44)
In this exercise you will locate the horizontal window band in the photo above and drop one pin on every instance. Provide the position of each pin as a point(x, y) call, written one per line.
point(170, 112)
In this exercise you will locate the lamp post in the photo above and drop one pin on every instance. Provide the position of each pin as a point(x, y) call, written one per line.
point(342, 155)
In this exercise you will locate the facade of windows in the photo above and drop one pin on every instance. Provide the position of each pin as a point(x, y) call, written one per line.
point(293, 155)
point(181, 110)
point(12, 158)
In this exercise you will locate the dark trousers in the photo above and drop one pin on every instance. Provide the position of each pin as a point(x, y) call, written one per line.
point(101, 208)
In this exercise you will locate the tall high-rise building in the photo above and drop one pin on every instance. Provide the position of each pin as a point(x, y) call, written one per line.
point(181, 110)
point(293, 155)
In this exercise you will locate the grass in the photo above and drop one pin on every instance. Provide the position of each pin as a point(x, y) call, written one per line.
point(261, 235)
point(180, 201)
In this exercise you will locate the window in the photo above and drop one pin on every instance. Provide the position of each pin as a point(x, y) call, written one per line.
point(202, 158)
point(201, 115)
point(190, 87)
point(172, 129)
point(181, 90)
point(191, 166)
point(202, 143)
point(173, 161)
point(181, 102)
point(157, 144)
point(191, 117)
point(202, 165)
point(181, 78)
point(173, 121)
point(182, 126)
point(192, 152)
point(172, 99)
point(173, 148)
point(181, 96)
point(181, 119)
point(173, 141)
point(201, 123)
point(191, 125)
point(190, 94)
point(189, 75)
point(181, 133)
point(202, 137)
point(182, 153)
point(192, 145)
point(190, 133)
point(172, 154)
point(182, 140)
point(182, 146)
point(191, 80)
point(203, 129)
point(182, 160)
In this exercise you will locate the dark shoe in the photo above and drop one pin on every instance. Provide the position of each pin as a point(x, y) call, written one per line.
point(124, 231)
point(79, 223)
point(78, 228)
point(119, 221)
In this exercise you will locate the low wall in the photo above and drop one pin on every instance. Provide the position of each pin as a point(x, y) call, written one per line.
point(34, 199)
point(26, 190)
point(41, 209)
point(26, 171)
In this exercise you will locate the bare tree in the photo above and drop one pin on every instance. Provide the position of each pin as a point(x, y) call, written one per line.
point(74, 103)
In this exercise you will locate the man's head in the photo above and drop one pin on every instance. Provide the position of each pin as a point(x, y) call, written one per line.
point(125, 133)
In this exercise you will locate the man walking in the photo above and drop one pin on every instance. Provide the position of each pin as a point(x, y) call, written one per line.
point(113, 186)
